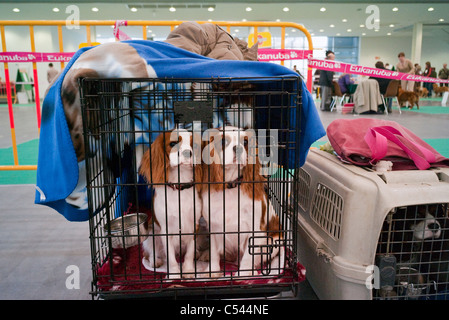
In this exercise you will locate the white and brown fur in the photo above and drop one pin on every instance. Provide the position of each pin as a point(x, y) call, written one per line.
point(240, 209)
point(169, 168)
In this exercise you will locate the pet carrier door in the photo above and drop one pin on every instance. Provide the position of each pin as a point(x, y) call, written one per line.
point(413, 253)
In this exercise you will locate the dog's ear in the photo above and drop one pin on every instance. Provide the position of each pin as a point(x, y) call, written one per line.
point(252, 180)
point(155, 161)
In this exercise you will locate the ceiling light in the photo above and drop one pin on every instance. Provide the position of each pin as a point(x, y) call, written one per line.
point(362, 26)
point(210, 20)
point(278, 20)
point(16, 10)
point(389, 34)
point(395, 9)
point(149, 31)
point(55, 9)
point(349, 30)
point(391, 25)
point(338, 34)
point(286, 9)
point(133, 9)
point(321, 30)
point(364, 34)
point(236, 30)
point(376, 30)
point(210, 9)
point(332, 26)
point(244, 20)
point(441, 20)
point(430, 9)
point(249, 9)
point(323, 9)
point(344, 20)
point(95, 9)
point(172, 9)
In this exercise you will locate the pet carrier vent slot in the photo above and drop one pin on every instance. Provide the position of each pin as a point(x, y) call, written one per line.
point(327, 209)
point(304, 187)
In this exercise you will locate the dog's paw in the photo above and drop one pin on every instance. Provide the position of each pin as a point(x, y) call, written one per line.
point(212, 274)
point(247, 273)
point(188, 274)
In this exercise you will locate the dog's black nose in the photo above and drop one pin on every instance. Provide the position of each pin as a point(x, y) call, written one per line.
point(238, 149)
point(433, 226)
point(187, 153)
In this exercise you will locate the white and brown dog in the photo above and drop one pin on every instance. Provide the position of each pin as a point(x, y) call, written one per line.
point(169, 168)
point(242, 223)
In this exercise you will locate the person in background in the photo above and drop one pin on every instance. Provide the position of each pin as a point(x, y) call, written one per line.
point(383, 84)
point(418, 69)
point(344, 81)
point(428, 72)
point(326, 84)
point(51, 73)
point(294, 69)
point(405, 66)
point(444, 74)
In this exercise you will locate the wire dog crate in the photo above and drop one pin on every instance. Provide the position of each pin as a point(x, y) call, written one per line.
point(373, 235)
point(155, 195)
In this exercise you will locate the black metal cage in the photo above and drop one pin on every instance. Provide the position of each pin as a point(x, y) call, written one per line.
point(241, 211)
point(413, 254)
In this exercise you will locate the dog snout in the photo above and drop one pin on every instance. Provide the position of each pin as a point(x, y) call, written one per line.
point(434, 226)
point(238, 150)
point(187, 154)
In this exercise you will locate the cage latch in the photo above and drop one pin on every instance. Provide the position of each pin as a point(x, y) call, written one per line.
point(387, 273)
point(262, 246)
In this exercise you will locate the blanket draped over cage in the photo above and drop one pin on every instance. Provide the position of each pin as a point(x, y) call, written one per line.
point(61, 181)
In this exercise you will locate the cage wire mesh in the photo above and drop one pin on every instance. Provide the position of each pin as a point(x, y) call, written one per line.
point(413, 253)
point(138, 225)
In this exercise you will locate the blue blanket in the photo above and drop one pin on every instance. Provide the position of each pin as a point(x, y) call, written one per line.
point(59, 173)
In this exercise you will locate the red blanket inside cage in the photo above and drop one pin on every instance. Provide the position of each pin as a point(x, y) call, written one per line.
point(125, 272)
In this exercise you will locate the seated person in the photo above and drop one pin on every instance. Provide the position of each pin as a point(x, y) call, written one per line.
point(383, 82)
point(344, 81)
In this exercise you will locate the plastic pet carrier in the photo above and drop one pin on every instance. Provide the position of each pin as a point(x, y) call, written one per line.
point(373, 235)
point(189, 184)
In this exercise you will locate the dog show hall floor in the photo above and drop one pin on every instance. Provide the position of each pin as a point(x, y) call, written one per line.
point(40, 250)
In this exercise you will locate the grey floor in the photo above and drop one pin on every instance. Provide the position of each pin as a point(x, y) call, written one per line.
point(39, 249)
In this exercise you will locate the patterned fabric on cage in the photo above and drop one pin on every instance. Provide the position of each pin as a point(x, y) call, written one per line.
point(60, 177)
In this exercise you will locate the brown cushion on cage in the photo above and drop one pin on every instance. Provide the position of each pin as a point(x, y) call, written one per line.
point(211, 41)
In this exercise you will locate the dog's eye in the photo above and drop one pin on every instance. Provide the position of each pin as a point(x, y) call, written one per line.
point(224, 143)
point(172, 144)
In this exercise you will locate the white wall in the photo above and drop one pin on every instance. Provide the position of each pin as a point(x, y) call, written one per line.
point(434, 49)
point(385, 49)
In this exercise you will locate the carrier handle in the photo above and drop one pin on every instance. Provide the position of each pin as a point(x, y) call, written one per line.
point(377, 139)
